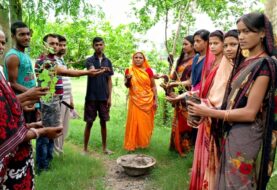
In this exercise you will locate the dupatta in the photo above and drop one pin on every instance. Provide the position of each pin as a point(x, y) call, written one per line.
point(141, 93)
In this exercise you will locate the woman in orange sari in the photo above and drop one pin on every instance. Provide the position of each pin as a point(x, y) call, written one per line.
point(142, 103)
point(181, 136)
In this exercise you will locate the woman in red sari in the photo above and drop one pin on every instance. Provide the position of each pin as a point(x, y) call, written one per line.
point(16, 160)
point(181, 133)
point(249, 141)
point(139, 78)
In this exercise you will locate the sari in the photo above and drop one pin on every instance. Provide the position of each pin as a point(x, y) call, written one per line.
point(140, 117)
point(248, 148)
point(16, 161)
point(206, 154)
point(196, 71)
point(181, 138)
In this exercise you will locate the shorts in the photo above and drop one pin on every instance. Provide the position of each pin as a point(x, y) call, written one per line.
point(91, 109)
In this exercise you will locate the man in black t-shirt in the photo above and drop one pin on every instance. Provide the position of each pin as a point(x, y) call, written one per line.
point(99, 91)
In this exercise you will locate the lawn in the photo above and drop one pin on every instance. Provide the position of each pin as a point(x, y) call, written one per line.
point(75, 170)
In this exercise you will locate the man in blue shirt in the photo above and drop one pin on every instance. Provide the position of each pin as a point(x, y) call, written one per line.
point(99, 92)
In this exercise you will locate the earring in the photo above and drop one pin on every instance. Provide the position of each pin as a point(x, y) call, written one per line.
point(262, 38)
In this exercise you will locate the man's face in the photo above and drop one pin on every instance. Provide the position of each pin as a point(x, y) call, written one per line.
point(62, 48)
point(22, 37)
point(98, 47)
point(2, 43)
point(53, 43)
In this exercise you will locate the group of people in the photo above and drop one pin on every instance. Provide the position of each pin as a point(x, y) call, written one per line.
point(225, 105)
point(21, 101)
point(224, 108)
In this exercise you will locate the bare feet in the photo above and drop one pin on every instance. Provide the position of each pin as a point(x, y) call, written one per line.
point(85, 152)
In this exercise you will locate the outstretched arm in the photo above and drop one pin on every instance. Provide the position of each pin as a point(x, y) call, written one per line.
point(77, 73)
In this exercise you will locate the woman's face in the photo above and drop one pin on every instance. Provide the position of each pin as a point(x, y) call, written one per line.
point(187, 46)
point(231, 45)
point(138, 59)
point(199, 44)
point(247, 38)
point(216, 45)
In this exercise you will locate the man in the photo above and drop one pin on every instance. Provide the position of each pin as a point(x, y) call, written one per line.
point(44, 148)
point(16, 159)
point(18, 66)
point(98, 95)
point(67, 98)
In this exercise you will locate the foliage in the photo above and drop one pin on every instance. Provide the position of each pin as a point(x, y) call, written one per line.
point(222, 12)
point(48, 78)
point(119, 41)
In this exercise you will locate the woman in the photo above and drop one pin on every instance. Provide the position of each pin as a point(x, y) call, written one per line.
point(201, 42)
point(212, 92)
point(181, 133)
point(142, 103)
point(248, 110)
point(16, 161)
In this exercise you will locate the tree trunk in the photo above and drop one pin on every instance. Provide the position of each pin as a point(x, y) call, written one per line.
point(5, 25)
point(15, 10)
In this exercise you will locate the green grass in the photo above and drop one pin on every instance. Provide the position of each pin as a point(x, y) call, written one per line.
point(71, 171)
point(170, 173)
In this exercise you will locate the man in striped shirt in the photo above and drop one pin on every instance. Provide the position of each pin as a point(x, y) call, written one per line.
point(67, 97)
point(45, 146)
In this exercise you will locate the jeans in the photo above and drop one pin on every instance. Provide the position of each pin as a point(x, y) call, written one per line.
point(44, 153)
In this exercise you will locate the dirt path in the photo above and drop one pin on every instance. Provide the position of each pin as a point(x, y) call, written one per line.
point(115, 178)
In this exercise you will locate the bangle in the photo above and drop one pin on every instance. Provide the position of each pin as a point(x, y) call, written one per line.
point(35, 132)
point(226, 115)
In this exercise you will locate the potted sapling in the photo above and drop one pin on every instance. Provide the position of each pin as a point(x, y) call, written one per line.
point(50, 103)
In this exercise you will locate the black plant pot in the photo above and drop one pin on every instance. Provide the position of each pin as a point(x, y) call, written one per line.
point(194, 99)
point(50, 114)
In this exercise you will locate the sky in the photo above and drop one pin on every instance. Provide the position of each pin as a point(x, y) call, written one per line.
point(118, 12)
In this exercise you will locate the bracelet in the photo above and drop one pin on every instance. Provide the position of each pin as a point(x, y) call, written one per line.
point(35, 132)
point(226, 115)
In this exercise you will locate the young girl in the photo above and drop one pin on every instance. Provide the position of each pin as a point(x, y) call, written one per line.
point(205, 153)
point(181, 133)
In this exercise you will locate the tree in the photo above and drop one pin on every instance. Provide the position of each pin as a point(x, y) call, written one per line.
point(182, 13)
point(120, 42)
point(36, 12)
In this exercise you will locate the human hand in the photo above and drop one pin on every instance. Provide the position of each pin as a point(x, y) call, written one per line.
point(35, 93)
point(51, 132)
point(173, 99)
point(106, 69)
point(198, 109)
point(109, 103)
point(94, 72)
point(29, 106)
point(194, 123)
point(35, 125)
